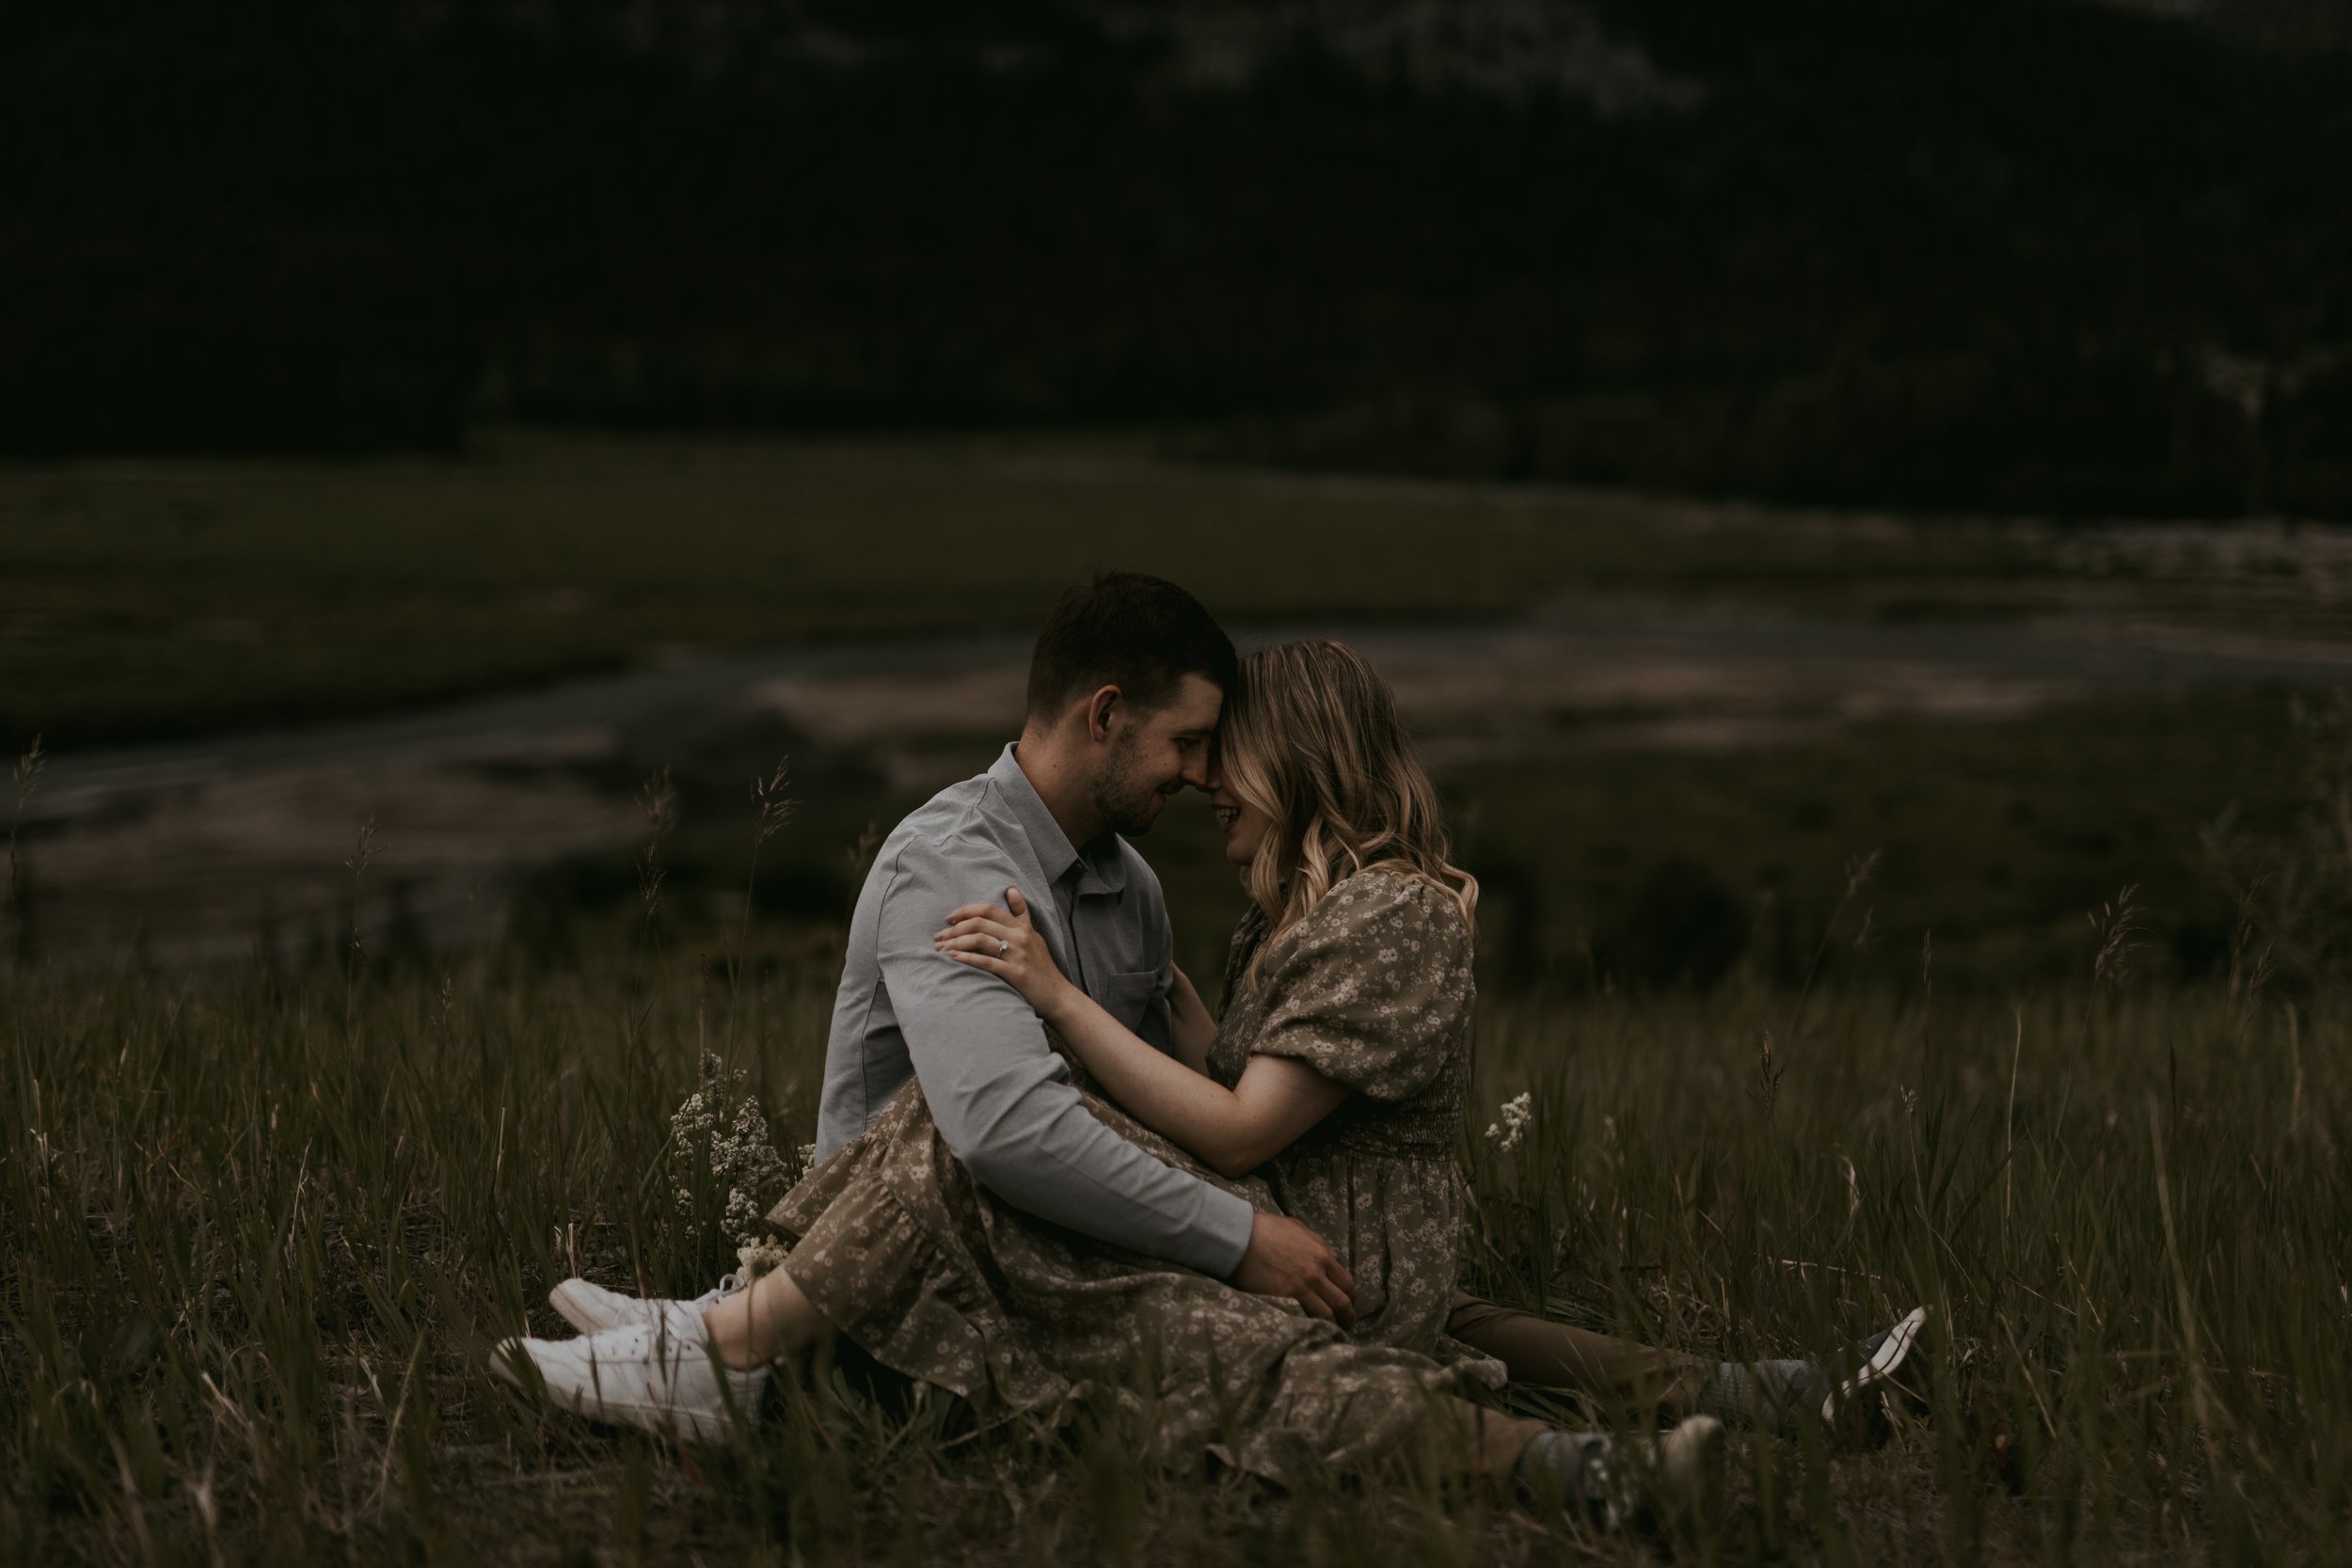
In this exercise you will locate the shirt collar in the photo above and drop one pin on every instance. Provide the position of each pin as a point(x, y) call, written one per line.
point(1105, 867)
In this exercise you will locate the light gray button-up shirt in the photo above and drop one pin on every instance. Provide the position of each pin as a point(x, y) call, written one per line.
point(1001, 1096)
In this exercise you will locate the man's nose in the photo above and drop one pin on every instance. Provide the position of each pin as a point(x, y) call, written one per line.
point(1199, 772)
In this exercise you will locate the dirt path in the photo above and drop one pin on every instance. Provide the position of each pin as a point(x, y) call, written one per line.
point(181, 851)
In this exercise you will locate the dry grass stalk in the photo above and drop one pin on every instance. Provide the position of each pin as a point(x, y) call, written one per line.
point(659, 798)
point(27, 774)
point(771, 808)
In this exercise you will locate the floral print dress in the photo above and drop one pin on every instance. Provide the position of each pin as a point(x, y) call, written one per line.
point(1373, 990)
point(939, 1279)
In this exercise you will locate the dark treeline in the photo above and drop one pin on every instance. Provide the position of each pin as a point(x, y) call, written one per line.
point(2008, 253)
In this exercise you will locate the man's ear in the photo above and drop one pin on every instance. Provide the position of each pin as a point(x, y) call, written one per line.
point(1106, 702)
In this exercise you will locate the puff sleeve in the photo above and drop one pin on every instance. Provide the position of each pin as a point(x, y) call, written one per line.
point(1371, 987)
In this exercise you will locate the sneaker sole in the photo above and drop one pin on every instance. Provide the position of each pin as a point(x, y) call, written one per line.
point(661, 1421)
point(1882, 1366)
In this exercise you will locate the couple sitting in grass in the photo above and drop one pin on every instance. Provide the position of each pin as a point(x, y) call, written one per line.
point(1042, 1165)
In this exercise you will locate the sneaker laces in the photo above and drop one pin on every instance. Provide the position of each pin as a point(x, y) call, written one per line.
point(729, 1284)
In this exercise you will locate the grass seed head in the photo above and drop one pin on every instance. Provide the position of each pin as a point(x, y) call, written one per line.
point(27, 772)
point(2120, 937)
point(771, 808)
point(363, 852)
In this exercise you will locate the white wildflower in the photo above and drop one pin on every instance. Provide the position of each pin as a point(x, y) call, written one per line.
point(1506, 1134)
point(724, 1117)
point(755, 1258)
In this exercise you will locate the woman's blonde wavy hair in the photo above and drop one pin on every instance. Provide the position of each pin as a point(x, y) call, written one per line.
point(1311, 737)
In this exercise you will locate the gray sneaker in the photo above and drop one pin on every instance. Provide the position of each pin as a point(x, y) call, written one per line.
point(1844, 1390)
point(1650, 1482)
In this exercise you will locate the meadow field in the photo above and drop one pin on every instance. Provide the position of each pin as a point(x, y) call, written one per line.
point(261, 1236)
point(2018, 991)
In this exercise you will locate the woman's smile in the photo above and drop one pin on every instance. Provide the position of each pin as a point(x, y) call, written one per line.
point(1245, 828)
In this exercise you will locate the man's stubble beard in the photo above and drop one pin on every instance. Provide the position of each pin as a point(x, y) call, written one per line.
point(1124, 803)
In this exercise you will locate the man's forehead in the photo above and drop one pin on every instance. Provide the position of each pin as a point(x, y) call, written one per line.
point(1198, 702)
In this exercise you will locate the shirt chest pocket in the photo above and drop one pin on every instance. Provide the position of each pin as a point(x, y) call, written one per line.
point(1127, 997)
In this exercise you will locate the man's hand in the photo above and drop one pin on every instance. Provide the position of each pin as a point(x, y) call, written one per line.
point(1285, 1258)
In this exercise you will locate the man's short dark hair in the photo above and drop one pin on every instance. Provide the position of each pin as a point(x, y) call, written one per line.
point(1142, 634)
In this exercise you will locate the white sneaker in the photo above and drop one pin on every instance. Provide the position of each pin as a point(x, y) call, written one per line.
point(662, 1375)
point(592, 1308)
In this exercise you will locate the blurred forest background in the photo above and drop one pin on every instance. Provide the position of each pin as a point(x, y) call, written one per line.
point(2021, 254)
point(1777, 403)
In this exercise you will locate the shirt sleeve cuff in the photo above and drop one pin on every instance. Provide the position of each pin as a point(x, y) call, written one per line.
point(1217, 1243)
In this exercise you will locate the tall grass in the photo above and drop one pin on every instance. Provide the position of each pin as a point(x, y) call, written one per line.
point(259, 1236)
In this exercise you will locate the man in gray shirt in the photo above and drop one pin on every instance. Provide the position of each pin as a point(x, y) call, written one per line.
point(1125, 690)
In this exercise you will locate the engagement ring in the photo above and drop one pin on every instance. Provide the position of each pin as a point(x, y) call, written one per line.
point(1004, 945)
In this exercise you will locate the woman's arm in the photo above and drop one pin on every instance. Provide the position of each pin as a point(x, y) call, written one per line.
point(1190, 1028)
point(1232, 1130)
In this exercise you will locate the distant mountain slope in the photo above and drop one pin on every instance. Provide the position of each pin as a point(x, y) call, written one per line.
point(1513, 50)
point(2292, 27)
point(2020, 253)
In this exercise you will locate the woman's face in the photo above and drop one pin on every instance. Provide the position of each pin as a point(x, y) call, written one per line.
point(1244, 825)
